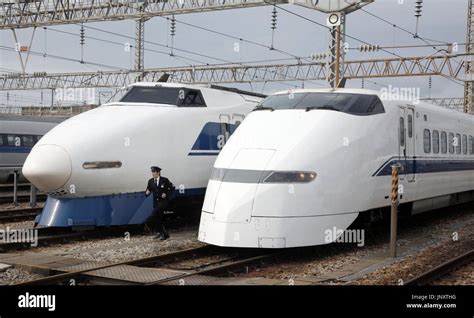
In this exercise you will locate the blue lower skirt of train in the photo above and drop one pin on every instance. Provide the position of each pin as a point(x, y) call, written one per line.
point(106, 210)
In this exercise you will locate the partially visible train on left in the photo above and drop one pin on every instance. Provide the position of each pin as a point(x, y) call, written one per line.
point(18, 135)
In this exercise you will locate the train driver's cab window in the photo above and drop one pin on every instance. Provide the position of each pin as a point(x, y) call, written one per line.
point(178, 96)
point(354, 104)
point(427, 141)
point(193, 98)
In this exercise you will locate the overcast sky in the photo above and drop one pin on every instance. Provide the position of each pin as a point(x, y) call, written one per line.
point(441, 20)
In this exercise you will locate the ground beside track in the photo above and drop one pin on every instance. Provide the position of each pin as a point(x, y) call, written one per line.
point(107, 250)
point(21, 205)
point(339, 263)
point(342, 263)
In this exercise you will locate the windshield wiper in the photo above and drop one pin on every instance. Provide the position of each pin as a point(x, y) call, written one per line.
point(263, 108)
point(322, 107)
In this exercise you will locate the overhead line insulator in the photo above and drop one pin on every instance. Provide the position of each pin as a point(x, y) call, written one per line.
point(369, 48)
point(274, 18)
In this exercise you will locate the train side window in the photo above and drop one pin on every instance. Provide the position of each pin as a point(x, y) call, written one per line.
point(2, 143)
point(451, 143)
point(410, 126)
point(435, 141)
point(225, 131)
point(37, 138)
point(458, 145)
point(427, 141)
point(471, 145)
point(444, 142)
point(471, 138)
point(402, 132)
point(28, 140)
point(464, 144)
point(13, 140)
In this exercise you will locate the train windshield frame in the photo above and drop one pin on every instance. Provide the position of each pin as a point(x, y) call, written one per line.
point(354, 104)
point(177, 96)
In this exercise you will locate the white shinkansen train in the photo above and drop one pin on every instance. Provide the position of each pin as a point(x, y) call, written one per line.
point(308, 161)
point(95, 165)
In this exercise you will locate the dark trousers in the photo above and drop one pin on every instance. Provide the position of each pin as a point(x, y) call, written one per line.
point(155, 220)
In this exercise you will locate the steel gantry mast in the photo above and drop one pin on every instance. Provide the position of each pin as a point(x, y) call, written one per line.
point(16, 14)
point(234, 73)
point(469, 69)
point(35, 13)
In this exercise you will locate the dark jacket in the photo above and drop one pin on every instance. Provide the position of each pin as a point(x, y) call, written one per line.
point(164, 186)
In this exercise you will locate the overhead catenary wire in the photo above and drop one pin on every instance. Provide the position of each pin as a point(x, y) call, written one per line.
point(187, 51)
point(414, 35)
point(408, 46)
point(391, 53)
point(238, 38)
point(190, 59)
point(122, 45)
point(97, 64)
point(417, 36)
point(228, 63)
point(47, 55)
point(358, 40)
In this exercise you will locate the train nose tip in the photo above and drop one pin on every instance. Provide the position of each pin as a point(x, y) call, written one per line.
point(48, 167)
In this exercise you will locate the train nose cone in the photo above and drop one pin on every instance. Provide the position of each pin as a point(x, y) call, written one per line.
point(48, 167)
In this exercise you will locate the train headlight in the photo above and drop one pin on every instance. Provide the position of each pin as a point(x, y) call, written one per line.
point(290, 177)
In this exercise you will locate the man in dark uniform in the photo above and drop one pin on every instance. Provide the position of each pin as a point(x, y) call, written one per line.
point(161, 188)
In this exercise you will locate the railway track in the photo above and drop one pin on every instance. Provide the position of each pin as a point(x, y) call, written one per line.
point(22, 196)
point(49, 236)
point(194, 264)
point(8, 187)
point(15, 215)
point(227, 260)
point(442, 269)
point(23, 193)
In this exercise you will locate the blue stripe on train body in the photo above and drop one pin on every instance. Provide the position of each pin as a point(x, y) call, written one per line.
point(413, 165)
point(13, 149)
point(210, 140)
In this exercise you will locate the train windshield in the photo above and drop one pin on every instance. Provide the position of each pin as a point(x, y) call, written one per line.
point(356, 104)
point(182, 97)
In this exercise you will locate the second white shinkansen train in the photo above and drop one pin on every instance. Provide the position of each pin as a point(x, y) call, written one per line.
point(308, 161)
